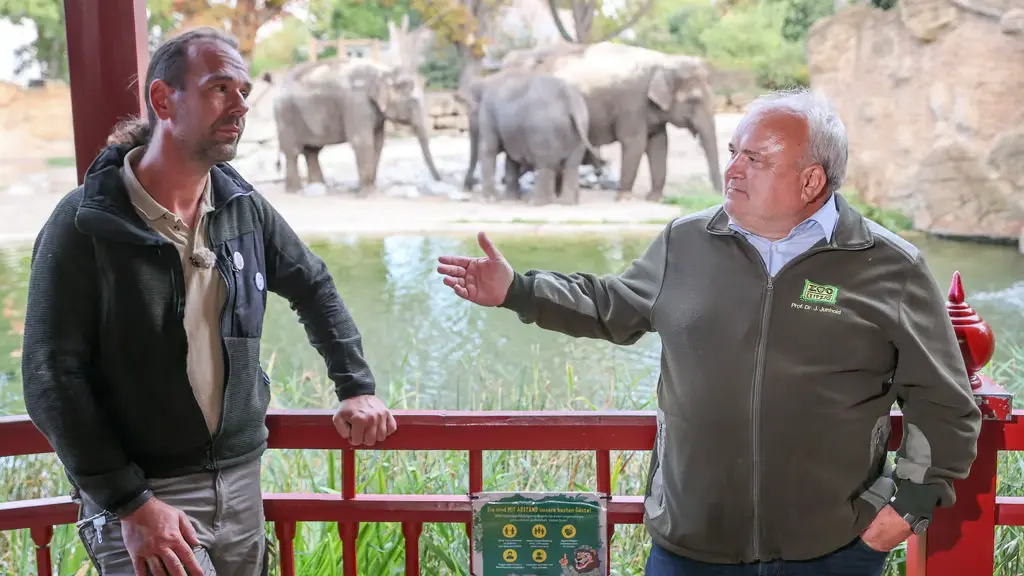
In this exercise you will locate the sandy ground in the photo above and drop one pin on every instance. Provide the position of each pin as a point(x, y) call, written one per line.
point(407, 201)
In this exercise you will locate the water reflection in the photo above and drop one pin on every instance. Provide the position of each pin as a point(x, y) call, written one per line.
point(431, 349)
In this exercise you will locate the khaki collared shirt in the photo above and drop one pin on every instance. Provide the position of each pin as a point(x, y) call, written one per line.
point(204, 292)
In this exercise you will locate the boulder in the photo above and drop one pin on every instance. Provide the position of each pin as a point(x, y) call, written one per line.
point(928, 134)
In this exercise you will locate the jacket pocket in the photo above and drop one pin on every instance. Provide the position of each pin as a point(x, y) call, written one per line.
point(247, 267)
point(246, 400)
point(654, 503)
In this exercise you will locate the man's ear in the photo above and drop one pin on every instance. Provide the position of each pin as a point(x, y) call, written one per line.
point(813, 183)
point(161, 97)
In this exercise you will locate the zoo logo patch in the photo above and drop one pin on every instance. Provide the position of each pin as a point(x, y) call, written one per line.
point(819, 293)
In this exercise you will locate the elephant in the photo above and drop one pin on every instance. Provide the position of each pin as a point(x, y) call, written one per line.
point(335, 100)
point(540, 122)
point(631, 94)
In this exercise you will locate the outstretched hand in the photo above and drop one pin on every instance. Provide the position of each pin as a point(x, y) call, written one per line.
point(483, 281)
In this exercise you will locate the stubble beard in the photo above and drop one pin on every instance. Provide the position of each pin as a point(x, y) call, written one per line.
point(213, 152)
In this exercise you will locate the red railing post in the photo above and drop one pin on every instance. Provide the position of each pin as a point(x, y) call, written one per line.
point(348, 530)
point(412, 531)
point(961, 539)
point(476, 484)
point(604, 486)
point(41, 536)
point(285, 532)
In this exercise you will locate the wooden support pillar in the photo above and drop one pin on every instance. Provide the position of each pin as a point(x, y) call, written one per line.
point(108, 52)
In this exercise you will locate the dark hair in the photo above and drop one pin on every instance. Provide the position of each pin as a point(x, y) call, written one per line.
point(168, 63)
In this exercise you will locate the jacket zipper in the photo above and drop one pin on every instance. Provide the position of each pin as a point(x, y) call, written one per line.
point(755, 393)
point(755, 417)
point(179, 300)
point(211, 452)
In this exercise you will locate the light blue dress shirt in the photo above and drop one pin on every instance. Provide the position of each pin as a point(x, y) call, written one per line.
point(776, 254)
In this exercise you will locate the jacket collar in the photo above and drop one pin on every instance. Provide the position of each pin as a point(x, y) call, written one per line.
point(851, 231)
point(107, 211)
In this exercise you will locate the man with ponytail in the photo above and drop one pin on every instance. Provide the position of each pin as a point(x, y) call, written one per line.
point(141, 355)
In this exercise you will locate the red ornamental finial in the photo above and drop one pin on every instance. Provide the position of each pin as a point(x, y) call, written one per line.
point(956, 289)
point(975, 336)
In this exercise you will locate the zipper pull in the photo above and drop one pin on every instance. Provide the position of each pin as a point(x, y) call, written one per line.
point(97, 525)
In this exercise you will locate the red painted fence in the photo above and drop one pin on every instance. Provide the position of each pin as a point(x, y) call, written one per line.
point(960, 541)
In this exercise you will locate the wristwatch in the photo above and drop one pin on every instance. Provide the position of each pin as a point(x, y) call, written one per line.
point(917, 523)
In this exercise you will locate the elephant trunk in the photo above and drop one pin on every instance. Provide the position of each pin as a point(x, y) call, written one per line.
point(474, 149)
point(419, 125)
point(704, 129)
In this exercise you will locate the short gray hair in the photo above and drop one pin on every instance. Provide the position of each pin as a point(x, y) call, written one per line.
point(828, 145)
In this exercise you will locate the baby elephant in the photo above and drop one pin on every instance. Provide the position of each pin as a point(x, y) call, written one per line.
point(539, 122)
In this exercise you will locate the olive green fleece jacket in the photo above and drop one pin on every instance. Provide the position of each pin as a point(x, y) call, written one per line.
point(774, 394)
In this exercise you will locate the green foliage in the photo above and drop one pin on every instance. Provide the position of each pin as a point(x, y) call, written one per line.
point(49, 49)
point(675, 26)
point(761, 37)
point(442, 68)
point(801, 14)
point(357, 18)
point(892, 219)
point(281, 49)
point(750, 37)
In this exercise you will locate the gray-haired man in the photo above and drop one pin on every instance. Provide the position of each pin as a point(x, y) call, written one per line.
point(789, 326)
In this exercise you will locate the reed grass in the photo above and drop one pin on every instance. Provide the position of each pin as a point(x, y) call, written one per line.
point(444, 547)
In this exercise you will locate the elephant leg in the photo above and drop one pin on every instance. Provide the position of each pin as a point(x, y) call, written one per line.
point(488, 160)
point(513, 171)
point(364, 149)
point(312, 155)
point(543, 187)
point(632, 153)
point(570, 176)
point(592, 160)
point(292, 182)
point(378, 146)
point(657, 160)
point(474, 148)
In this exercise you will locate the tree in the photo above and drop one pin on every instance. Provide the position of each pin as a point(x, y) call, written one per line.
point(592, 23)
point(243, 20)
point(49, 49)
point(329, 19)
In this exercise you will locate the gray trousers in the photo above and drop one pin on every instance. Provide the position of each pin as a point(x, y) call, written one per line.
point(225, 507)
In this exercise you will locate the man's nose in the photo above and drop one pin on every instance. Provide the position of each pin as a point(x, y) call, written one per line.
point(734, 170)
point(240, 107)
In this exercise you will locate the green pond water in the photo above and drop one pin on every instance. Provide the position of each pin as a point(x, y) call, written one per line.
point(431, 350)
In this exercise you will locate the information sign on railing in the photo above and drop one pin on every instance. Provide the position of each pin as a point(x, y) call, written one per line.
point(539, 534)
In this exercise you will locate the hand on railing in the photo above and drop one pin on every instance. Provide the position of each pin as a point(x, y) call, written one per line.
point(158, 535)
point(364, 420)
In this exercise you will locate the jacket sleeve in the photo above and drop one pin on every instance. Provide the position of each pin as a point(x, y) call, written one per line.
point(58, 347)
point(301, 277)
point(611, 307)
point(941, 420)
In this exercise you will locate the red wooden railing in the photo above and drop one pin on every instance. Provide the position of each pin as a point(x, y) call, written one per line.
point(972, 535)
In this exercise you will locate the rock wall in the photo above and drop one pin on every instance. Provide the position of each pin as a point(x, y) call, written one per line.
point(932, 95)
point(445, 115)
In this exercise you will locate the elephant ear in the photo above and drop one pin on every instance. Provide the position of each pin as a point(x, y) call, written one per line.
point(380, 92)
point(660, 90)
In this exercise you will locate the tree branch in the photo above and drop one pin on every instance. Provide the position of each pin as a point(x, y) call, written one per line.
point(558, 22)
point(640, 13)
